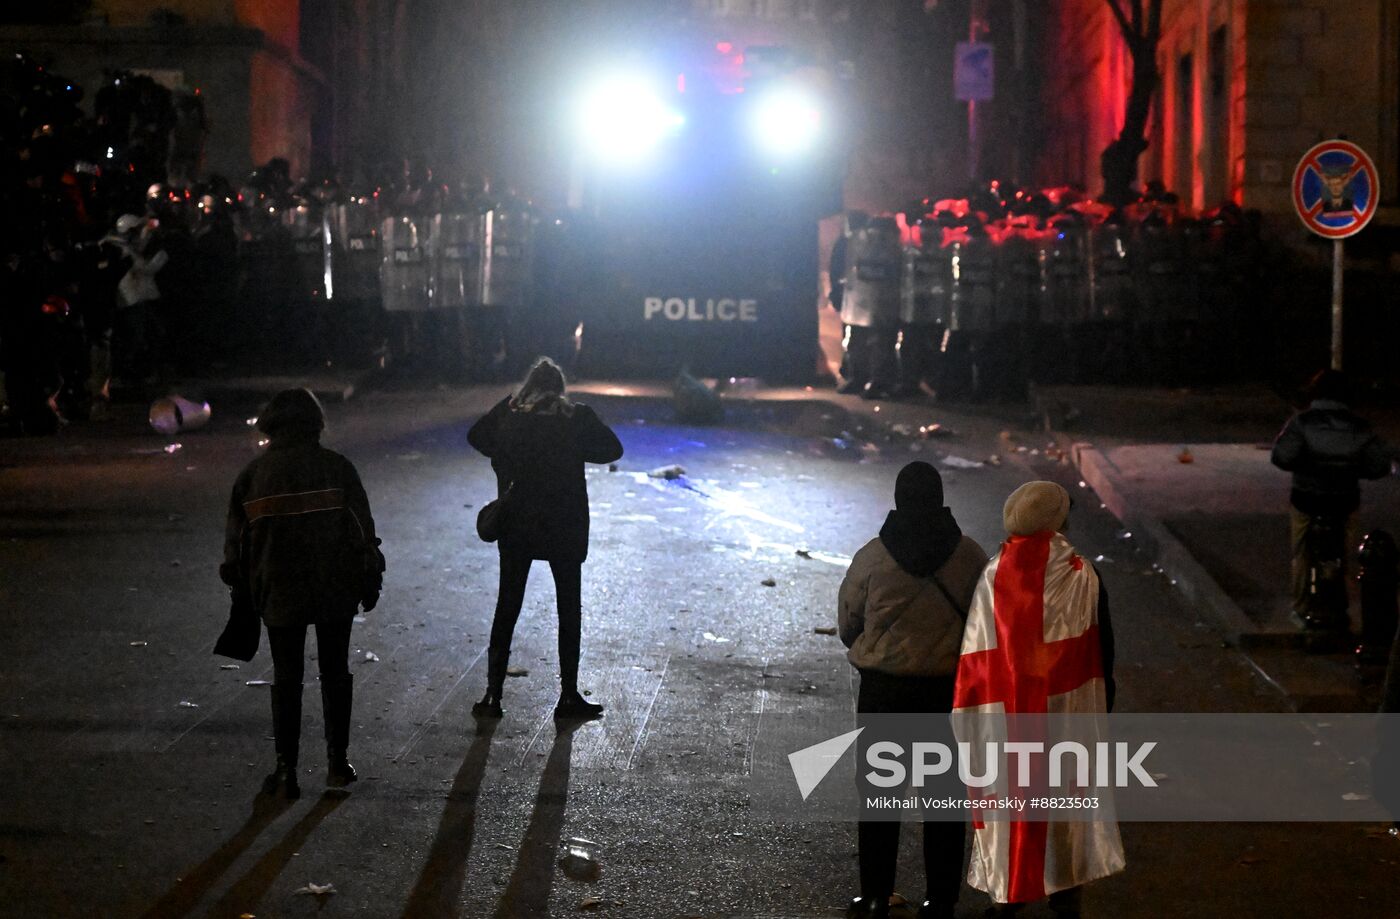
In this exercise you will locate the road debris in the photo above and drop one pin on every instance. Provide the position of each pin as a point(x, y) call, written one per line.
point(316, 890)
point(174, 448)
point(371, 657)
point(517, 671)
point(668, 473)
point(953, 461)
point(257, 683)
point(769, 582)
point(186, 703)
point(228, 667)
point(825, 630)
point(711, 636)
point(139, 644)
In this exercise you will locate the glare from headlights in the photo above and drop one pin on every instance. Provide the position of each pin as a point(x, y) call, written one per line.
point(787, 122)
point(623, 118)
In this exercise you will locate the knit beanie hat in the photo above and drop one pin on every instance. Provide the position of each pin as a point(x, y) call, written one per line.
point(1036, 507)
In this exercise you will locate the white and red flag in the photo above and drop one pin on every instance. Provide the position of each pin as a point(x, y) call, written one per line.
point(1031, 648)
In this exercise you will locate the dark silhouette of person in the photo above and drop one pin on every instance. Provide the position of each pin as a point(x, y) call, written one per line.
point(538, 441)
point(300, 540)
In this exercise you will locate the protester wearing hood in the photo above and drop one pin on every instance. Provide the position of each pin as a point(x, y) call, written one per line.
point(300, 542)
point(1328, 448)
point(901, 610)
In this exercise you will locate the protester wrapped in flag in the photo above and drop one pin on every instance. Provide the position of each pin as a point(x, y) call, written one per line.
point(1038, 642)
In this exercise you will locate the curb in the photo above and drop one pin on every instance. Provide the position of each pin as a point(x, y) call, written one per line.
point(1189, 576)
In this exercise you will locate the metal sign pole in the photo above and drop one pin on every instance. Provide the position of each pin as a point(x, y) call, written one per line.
point(1337, 263)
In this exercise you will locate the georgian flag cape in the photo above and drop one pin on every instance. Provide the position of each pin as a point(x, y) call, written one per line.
point(1032, 646)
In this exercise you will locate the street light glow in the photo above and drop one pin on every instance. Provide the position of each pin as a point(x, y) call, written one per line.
point(623, 118)
point(787, 121)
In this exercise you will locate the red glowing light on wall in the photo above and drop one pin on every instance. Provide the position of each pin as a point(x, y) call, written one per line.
point(724, 47)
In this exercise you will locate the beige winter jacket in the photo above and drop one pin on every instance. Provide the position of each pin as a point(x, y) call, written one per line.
point(897, 623)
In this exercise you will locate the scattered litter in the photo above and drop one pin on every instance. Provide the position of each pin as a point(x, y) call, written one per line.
point(825, 630)
point(903, 430)
point(711, 636)
point(958, 462)
point(186, 703)
point(139, 644)
point(176, 413)
point(667, 472)
point(257, 683)
point(410, 457)
point(590, 903)
point(517, 671)
point(768, 582)
point(803, 553)
point(1185, 456)
point(316, 890)
point(580, 860)
point(1083, 484)
point(1353, 796)
point(994, 460)
point(929, 431)
point(579, 847)
point(228, 666)
point(501, 845)
point(1125, 534)
point(175, 563)
point(371, 657)
point(612, 467)
point(360, 619)
point(1103, 560)
point(263, 442)
point(172, 449)
point(251, 422)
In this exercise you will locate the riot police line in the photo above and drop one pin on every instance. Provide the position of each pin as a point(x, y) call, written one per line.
point(977, 298)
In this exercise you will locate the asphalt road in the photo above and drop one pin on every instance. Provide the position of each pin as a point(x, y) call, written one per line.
point(117, 798)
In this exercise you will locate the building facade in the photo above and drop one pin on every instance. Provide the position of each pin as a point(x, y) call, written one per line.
point(1246, 87)
point(299, 79)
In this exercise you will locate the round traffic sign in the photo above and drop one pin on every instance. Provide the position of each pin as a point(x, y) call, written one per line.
point(1336, 189)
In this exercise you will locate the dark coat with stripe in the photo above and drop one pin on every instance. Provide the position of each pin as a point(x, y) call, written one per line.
point(540, 452)
point(300, 537)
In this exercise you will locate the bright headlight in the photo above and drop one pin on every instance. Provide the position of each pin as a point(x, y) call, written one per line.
point(622, 118)
point(787, 121)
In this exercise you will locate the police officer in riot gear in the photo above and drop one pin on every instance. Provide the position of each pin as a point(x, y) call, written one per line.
point(870, 308)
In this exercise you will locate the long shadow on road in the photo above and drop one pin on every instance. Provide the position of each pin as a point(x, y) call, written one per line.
point(199, 880)
point(527, 894)
point(440, 882)
point(248, 890)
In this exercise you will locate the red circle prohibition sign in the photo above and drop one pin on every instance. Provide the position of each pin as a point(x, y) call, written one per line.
point(1360, 165)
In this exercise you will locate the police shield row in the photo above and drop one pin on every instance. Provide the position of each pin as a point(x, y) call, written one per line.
point(972, 304)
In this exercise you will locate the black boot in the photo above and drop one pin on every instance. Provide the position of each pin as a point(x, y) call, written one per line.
point(490, 704)
point(574, 707)
point(337, 694)
point(286, 733)
point(868, 908)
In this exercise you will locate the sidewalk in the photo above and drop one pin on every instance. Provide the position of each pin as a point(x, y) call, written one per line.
point(1217, 525)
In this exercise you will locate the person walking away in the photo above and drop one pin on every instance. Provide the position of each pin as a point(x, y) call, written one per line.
point(1039, 619)
point(301, 541)
point(538, 441)
point(900, 611)
point(1328, 448)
